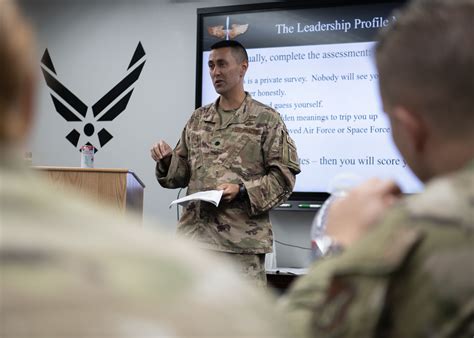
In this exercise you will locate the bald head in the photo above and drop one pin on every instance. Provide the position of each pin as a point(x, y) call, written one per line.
point(16, 69)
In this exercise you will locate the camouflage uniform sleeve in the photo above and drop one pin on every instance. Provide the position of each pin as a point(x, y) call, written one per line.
point(300, 302)
point(346, 295)
point(411, 276)
point(399, 281)
point(177, 175)
point(282, 165)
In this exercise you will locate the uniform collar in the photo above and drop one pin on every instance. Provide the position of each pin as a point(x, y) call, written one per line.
point(240, 116)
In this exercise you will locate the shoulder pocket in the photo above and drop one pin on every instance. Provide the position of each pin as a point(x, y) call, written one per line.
point(290, 155)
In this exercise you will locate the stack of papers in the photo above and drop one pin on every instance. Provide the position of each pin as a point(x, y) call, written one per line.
point(211, 196)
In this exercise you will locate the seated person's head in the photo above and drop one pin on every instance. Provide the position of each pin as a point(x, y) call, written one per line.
point(425, 61)
point(16, 75)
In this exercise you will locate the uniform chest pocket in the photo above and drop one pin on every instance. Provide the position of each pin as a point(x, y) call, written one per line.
point(245, 155)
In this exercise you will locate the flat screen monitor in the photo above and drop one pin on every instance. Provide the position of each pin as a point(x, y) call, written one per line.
point(313, 62)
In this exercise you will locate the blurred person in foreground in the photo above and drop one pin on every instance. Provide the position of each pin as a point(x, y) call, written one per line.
point(408, 265)
point(71, 269)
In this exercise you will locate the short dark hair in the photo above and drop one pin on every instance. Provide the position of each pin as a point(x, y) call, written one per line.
point(425, 62)
point(238, 50)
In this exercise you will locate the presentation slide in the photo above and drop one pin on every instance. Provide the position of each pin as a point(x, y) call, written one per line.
point(327, 95)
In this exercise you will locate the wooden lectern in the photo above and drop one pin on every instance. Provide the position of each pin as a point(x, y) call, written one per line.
point(120, 188)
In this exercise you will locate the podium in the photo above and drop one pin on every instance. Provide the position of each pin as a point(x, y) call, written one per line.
point(120, 188)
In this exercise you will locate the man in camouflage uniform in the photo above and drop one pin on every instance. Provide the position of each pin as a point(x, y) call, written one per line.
point(237, 145)
point(412, 274)
point(72, 269)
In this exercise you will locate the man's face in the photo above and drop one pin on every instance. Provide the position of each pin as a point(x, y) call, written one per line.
point(226, 73)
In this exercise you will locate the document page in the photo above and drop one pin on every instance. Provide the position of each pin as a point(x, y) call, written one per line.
point(211, 196)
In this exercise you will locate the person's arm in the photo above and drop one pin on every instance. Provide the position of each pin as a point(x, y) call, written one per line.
point(281, 163)
point(172, 168)
point(161, 152)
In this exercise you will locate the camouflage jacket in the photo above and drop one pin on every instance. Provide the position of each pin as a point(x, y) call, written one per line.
point(70, 268)
point(253, 148)
point(413, 276)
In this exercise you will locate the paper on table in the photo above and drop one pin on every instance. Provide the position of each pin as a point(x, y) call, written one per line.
point(288, 271)
point(211, 196)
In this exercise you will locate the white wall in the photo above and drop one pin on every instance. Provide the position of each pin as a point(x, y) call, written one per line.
point(91, 44)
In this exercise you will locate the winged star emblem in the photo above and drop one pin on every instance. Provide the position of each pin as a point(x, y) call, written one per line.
point(227, 33)
point(106, 109)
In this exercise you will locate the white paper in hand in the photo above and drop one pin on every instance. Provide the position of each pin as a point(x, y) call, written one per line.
point(211, 196)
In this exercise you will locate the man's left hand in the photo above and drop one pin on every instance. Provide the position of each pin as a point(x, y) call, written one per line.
point(231, 191)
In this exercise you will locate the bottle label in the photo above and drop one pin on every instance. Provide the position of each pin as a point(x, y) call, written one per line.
point(87, 156)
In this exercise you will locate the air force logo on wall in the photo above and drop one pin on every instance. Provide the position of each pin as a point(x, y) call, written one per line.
point(229, 32)
point(111, 105)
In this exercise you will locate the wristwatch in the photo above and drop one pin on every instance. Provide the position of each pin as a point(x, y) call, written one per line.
point(242, 191)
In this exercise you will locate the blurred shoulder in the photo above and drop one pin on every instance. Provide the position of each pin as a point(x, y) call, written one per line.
point(87, 256)
point(447, 199)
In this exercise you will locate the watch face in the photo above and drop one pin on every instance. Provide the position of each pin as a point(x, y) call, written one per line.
point(242, 190)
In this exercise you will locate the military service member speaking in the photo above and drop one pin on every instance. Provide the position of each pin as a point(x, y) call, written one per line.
point(237, 145)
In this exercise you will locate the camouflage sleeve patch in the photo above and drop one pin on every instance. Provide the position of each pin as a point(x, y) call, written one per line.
point(333, 312)
point(290, 156)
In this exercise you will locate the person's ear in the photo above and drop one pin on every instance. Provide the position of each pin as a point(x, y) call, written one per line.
point(413, 126)
point(243, 68)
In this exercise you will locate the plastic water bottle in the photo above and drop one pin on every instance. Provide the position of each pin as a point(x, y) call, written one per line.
point(87, 156)
point(339, 187)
